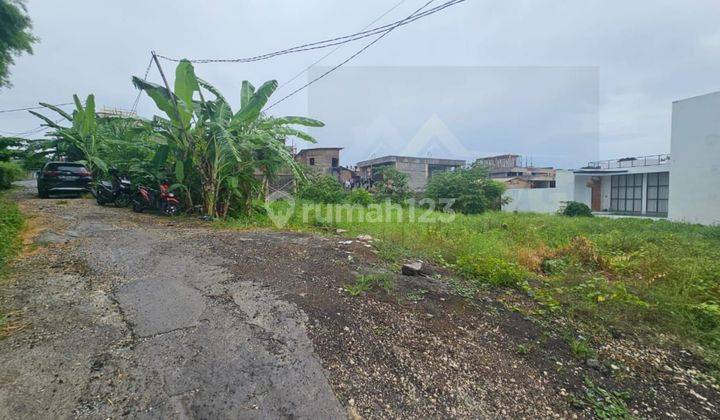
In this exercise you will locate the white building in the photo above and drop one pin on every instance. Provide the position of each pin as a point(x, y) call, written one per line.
point(683, 186)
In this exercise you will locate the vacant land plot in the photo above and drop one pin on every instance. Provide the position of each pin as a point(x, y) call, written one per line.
point(122, 314)
point(655, 280)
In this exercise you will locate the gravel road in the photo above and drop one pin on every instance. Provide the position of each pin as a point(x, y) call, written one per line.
point(112, 313)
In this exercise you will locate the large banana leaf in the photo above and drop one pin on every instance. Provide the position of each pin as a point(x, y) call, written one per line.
point(246, 92)
point(212, 89)
point(161, 96)
point(186, 84)
point(48, 122)
point(58, 110)
point(255, 104)
point(308, 122)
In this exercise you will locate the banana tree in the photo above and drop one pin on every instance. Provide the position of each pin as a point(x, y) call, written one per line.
point(80, 141)
point(214, 151)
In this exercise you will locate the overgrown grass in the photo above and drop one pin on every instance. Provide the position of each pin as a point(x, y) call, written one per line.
point(11, 222)
point(631, 275)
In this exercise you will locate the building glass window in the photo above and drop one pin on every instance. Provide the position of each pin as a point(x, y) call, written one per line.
point(335, 162)
point(658, 189)
point(312, 161)
point(626, 193)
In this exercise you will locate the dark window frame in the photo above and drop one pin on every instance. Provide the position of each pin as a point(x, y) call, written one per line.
point(626, 193)
point(311, 161)
point(658, 192)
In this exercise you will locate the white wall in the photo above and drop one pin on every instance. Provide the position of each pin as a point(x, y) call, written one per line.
point(543, 200)
point(695, 151)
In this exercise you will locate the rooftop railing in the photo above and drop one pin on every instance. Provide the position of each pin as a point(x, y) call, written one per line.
point(630, 162)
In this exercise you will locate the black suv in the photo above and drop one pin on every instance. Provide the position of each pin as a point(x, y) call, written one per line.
point(63, 177)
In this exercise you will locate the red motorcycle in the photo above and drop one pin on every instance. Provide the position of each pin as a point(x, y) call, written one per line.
point(161, 200)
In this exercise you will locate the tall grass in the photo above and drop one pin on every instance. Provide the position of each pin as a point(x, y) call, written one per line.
point(632, 275)
point(11, 222)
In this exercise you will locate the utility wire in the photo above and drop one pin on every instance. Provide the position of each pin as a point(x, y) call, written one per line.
point(338, 47)
point(33, 131)
point(31, 108)
point(140, 91)
point(351, 57)
point(328, 42)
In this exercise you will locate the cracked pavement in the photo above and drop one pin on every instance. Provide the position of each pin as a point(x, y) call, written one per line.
point(126, 315)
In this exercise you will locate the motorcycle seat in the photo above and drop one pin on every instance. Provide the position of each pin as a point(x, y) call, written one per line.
point(107, 184)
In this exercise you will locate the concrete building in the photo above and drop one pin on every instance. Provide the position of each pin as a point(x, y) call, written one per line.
point(419, 170)
point(680, 186)
point(509, 170)
point(322, 159)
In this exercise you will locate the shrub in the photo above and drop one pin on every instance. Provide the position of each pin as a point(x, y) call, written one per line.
point(392, 185)
point(360, 196)
point(471, 189)
point(9, 172)
point(323, 189)
point(491, 270)
point(576, 209)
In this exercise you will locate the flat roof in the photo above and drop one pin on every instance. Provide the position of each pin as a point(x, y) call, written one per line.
point(395, 158)
point(319, 148)
point(499, 156)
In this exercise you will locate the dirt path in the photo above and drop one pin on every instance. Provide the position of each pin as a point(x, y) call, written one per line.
point(114, 313)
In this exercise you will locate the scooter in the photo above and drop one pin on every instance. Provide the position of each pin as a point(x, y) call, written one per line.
point(117, 191)
point(161, 200)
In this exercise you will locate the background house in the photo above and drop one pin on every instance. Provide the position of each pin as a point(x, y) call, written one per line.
point(321, 159)
point(419, 170)
point(508, 169)
point(681, 186)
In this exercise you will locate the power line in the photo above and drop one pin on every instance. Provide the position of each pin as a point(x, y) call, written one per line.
point(140, 91)
point(360, 51)
point(338, 47)
point(36, 130)
point(325, 43)
point(31, 108)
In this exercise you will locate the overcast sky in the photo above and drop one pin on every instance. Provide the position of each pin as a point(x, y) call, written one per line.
point(644, 54)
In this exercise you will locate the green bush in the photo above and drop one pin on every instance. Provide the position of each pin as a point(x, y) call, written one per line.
point(576, 209)
point(360, 196)
point(393, 185)
point(9, 172)
point(471, 189)
point(491, 270)
point(323, 189)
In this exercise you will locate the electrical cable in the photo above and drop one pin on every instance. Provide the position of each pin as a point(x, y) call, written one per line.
point(338, 47)
point(347, 59)
point(325, 43)
point(137, 98)
point(32, 107)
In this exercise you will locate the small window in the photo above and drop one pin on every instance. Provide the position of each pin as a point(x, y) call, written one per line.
point(334, 162)
point(312, 161)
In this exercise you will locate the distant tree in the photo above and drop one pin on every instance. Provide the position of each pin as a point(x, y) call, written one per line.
point(323, 189)
point(15, 36)
point(9, 148)
point(392, 184)
point(473, 191)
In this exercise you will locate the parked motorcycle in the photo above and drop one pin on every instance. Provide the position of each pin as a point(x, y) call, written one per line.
point(118, 190)
point(161, 200)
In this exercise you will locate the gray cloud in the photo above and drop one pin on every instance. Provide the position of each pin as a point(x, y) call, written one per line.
point(648, 53)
